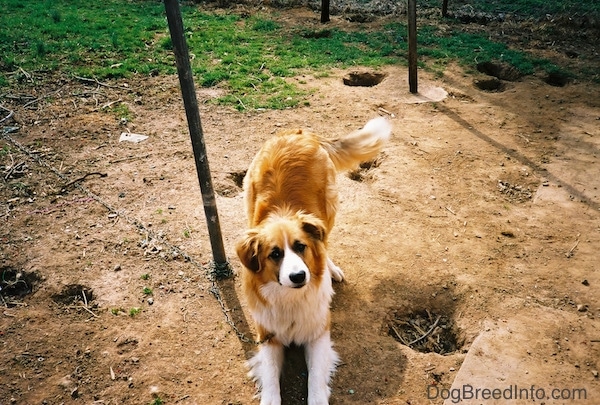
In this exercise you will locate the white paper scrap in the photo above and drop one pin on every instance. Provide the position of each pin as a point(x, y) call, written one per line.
point(129, 137)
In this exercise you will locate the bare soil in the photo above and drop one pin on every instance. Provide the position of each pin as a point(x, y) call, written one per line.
point(483, 206)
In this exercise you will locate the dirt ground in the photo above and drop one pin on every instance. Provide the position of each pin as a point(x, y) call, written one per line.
point(483, 207)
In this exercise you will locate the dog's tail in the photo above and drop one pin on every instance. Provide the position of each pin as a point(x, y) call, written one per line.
point(348, 151)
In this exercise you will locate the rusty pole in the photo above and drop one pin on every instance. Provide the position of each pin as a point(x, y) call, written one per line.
point(412, 45)
point(188, 92)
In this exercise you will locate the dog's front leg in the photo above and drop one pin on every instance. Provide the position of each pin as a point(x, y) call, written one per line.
point(321, 360)
point(265, 369)
point(336, 273)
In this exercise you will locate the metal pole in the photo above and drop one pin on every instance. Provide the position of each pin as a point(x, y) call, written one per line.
point(412, 45)
point(325, 11)
point(445, 8)
point(190, 102)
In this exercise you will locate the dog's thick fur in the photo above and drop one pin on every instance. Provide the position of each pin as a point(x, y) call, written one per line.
point(291, 201)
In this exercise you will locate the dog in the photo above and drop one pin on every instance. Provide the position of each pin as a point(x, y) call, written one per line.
point(291, 200)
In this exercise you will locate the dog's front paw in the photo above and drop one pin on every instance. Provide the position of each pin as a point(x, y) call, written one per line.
point(268, 399)
point(336, 273)
point(319, 398)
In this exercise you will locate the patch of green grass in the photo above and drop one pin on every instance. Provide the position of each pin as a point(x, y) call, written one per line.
point(470, 49)
point(145, 276)
point(117, 311)
point(147, 291)
point(22, 189)
point(83, 37)
point(5, 151)
point(250, 58)
point(157, 401)
point(134, 311)
point(121, 111)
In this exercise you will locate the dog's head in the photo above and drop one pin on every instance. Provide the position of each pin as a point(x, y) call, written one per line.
point(286, 249)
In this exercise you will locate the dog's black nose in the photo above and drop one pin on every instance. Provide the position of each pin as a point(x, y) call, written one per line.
point(298, 278)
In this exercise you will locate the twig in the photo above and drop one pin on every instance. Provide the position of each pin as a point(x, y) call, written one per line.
point(241, 102)
point(10, 113)
point(383, 110)
point(398, 335)
point(35, 100)
point(85, 79)
point(570, 252)
point(450, 209)
point(418, 328)
point(130, 158)
point(110, 103)
point(84, 298)
point(27, 75)
point(16, 303)
point(19, 98)
point(13, 168)
point(426, 333)
point(84, 177)
point(83, 307)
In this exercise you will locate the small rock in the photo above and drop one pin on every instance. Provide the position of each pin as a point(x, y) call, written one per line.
point(150, 301)
point(156, 392)
point(117, 267)
point(585, 283)
point(595, 373)
point(582, 308)
point(351, 392)
point(452, 369)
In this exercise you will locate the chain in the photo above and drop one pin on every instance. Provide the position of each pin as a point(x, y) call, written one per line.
point(213, 273)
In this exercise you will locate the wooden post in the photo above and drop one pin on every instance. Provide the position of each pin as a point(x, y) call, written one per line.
point(444, 8)
point(324, 11)
point(188, 92)
point(412, 45)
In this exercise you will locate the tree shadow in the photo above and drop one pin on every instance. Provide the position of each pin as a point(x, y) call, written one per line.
point(587, 146)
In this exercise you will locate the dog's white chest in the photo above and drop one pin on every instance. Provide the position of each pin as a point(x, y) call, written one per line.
point(295, 315)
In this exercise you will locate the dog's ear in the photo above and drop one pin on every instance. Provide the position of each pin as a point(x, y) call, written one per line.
point(248, 250)
point(313, 226)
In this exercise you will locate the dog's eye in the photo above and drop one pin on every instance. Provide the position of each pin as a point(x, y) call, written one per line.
point(276, 254)
point(299, 247)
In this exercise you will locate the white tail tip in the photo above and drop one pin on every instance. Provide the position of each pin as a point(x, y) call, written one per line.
point(379, 127)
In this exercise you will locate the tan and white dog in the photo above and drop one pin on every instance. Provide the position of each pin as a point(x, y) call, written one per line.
point(291, 201)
